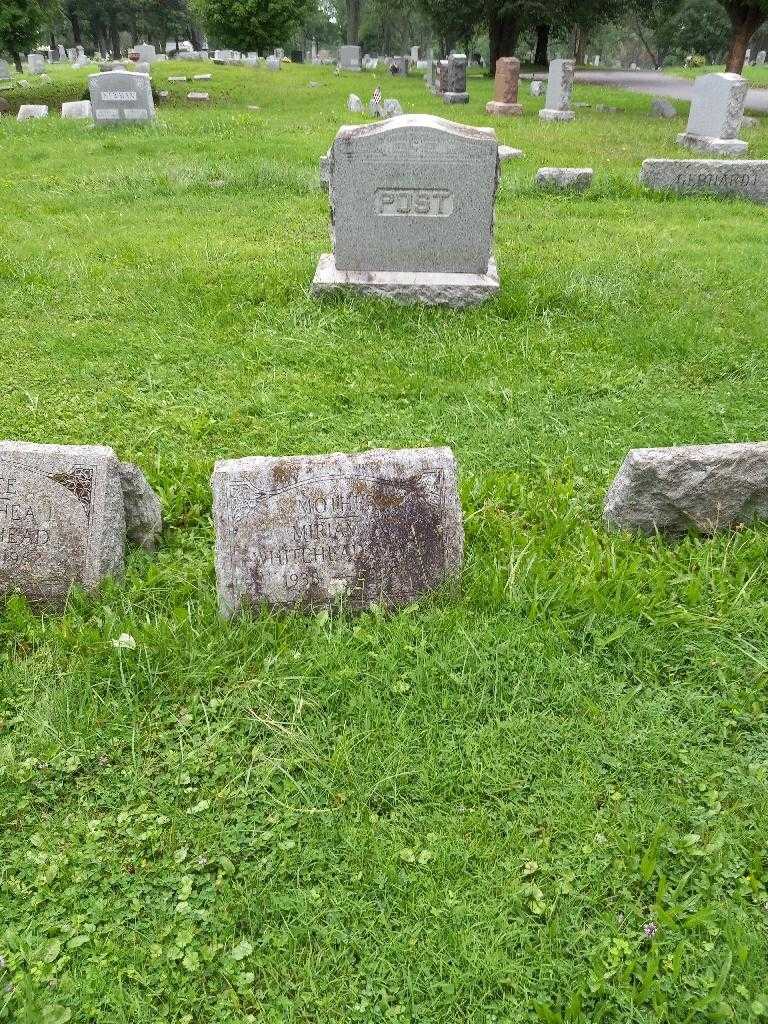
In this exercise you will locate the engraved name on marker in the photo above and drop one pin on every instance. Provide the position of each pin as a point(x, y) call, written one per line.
point(413, 202)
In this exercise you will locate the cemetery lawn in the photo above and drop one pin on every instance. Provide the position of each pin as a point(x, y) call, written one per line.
point(539, 796)
point(756, 76)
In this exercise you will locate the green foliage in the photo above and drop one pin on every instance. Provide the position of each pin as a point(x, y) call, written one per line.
point(251, 24)
point(21, 22)
point(471, 810)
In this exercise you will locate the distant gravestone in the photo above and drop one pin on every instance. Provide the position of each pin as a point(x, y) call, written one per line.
point(147, 53)
point(557, 106)
point(663, 108)
point(64, 517)
point(705, 488)
point(415, 54)
point(76, 110)
point(379, 528)
point(349, 58)
point(412, 202)
point(747, 179)
point(297, 57)
point(392, 108)
point(455, 83)
point(199, 97)
point(273, 63)
point(760, 59)
point(354, 104)
point(71, 54)
point(36, 64)
point(31, 111)
point(119, 97)
point(504, 102)
point(715, 115)
point(5, 71)
point(400, 64)
point(538, 87)
point(596, 62)
point(280, 53)
point(440, 77)
point(142, 66)
point(62, 52)
point(747, 57)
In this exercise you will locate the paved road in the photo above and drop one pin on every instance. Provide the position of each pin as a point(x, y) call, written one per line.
point(656, 83)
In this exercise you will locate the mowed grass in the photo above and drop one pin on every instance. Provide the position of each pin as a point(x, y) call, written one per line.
point(756, 75)
point(469, 810)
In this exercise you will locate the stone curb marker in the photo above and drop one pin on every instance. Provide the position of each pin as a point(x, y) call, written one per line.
point(705, 488)
point(65, 513)
point(577, 179)
point(747, 179)
point(383, 527)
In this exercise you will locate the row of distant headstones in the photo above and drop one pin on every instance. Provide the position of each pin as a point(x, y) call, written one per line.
point(382, 527)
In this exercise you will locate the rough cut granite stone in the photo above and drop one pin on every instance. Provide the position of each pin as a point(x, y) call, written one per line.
point(120, 97)
point(745, 178)
point(509, 153)
point(504, 102)
point(143, 514)
point(701, 487)
point(557, 106)
point(31, 111)
point(76, 110)
point(574, 178)
point(383, 527)
point(62, 519)
point(412, 197)
point(392, 108)
point(663, 108)
point(715, 116)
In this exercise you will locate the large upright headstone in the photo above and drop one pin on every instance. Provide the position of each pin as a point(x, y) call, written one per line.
point(36, 64)
point(5, 71)
point(380, 528)
point(121, 96)
point(64, 515)
point(349, 58)
point(504, 102)
point(412, 203)
point(557, 106)
point(456, 79)
point(715, 116)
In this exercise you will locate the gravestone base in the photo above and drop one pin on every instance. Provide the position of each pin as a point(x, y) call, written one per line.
point(722, 147)
point(407, 288)
point(455, 97)
point(503, 109)
point(556, 115)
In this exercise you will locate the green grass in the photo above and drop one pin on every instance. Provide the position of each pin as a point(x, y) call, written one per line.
point(756, 76)
point(459, 812)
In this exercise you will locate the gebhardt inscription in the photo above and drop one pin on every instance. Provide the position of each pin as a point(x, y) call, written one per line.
point(379, 528)
point(746, 179)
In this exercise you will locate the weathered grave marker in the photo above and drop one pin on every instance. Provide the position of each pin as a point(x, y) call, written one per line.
point(383, 527)
point(76, 110)
point(557, 106)
point(63, 516)
point(349, 58)
point(504, 102)
point(745, 178)
point(455, 81)
point(706, 488)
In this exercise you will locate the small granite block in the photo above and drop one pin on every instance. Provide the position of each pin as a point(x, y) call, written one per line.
point(691, 487)
point(407, 288)
point(663, 108)
point(379, 528)
point(31, 111)
point(509, 153)
point(76, 110)
point(745, 178)
point(455, 97)
point(719, 147)
point(575, 179)
point(556, 115)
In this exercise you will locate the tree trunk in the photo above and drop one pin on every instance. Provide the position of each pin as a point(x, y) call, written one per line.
point(542, 46)
point(17, 63)
point(74, 20)
point(194, 38)
point(353, 22)
point(579, 41)
point(114, 36)
point(745, 21)
point(503, 30)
